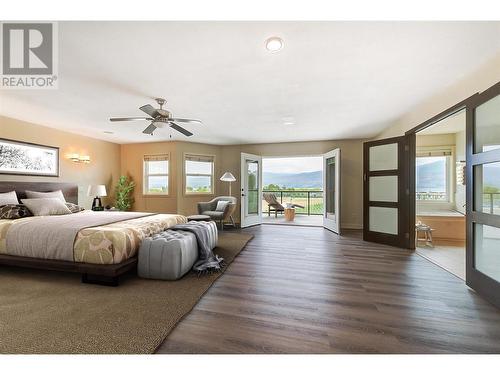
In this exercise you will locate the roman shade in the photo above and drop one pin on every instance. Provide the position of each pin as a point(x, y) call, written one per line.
point(203, 158)
point(155, 157)
point(434, 151)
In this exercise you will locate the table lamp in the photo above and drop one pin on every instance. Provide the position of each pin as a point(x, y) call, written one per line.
point(228, 177)
point(97, 191)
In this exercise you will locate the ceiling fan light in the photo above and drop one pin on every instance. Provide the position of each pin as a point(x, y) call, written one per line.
point(159, 124)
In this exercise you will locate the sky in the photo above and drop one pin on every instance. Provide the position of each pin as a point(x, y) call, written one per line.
point(427, 160)
point(293, 165)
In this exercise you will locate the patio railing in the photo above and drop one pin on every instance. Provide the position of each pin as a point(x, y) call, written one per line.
point(312, 200)
point(491, 203)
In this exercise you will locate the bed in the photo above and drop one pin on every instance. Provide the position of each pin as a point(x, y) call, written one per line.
point(99, 245)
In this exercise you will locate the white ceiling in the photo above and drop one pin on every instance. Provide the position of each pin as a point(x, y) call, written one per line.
point(335, 80)
point(449, 125)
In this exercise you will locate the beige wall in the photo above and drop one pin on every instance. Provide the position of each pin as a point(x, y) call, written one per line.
point(227, 159)
point(351, 170)
point(109, 160)
point(186, 203)
point(457, 142)
point(132, 166)
point(438, 140)
point(104, 167)
point(176, 201)
point(477, 81)
point(429, 140)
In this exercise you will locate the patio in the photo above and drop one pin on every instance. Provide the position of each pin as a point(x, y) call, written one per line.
point(302, 220)
point(309, 215)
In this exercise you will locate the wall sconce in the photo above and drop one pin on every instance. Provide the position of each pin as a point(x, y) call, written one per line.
point(79, 158)
point(84, 159)
point(74, 157)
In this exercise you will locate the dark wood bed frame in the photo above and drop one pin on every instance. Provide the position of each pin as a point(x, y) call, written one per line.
point(104, 274)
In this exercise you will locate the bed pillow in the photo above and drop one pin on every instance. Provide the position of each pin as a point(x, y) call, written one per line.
point(74, 208)
point(221, 206)
point(8, 198)
point(52, 194)
point(46, 206)
point(14, 211)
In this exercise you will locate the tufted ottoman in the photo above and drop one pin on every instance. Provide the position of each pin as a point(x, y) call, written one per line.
point(167, 255)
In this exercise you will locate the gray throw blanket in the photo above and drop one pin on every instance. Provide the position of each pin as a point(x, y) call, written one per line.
point(207, 261)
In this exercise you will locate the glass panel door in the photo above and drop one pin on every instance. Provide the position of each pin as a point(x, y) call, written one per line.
point(252, 198)
point(331, 183)
point(483, 194)
point(251, 190)
point(385, 201)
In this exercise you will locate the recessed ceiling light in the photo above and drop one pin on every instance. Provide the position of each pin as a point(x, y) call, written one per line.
point(289, 123)
point(108, 132)
point(274, 44)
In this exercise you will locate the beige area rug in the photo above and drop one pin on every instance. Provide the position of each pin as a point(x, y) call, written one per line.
point(51, 312)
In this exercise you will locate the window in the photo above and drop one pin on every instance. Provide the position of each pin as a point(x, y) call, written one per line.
point(432, 178)
point(199, 171)
point(156, 174)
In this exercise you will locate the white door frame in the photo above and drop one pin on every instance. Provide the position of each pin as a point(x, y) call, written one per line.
point(333, 222)
point(253, 219)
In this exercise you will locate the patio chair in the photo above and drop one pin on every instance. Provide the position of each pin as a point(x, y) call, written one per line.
point(273, 204)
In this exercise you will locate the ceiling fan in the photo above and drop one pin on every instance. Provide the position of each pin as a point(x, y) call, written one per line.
point(159, 118)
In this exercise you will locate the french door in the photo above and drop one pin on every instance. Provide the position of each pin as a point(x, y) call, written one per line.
point(251, 190)
point(331, 183)
point(386, 191)
point(483, 194)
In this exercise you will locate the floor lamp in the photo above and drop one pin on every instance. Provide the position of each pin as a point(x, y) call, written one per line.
point(228, 177)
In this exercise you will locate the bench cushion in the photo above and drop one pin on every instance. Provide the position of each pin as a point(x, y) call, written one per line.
point(168, 255)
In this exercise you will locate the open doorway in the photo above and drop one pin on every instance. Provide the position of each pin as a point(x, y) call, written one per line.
point(440, 193)
point(292, 190)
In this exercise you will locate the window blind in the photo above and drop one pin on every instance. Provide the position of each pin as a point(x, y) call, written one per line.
point(155, 157)
point(434, 151)
point(203, 158)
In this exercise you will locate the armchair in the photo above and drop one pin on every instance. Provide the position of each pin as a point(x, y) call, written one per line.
point(209, 209)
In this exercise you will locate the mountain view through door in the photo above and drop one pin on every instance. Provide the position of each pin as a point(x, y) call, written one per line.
point(295, 183)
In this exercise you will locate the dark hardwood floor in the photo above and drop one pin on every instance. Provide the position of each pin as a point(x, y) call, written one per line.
point(307, 290)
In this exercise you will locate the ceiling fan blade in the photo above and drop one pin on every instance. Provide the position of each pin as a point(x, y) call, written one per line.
point(181, 129)
point(150, 110)
point(186, 120)
point(129, 118)
point(150, 129)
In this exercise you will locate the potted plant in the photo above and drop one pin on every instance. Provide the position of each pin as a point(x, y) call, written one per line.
point(123, 193)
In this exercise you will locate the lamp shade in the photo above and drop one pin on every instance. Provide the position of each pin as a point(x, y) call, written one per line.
point(228, 176)
point(97, 191)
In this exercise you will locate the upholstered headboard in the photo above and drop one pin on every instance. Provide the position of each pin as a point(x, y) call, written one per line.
point(69, 190)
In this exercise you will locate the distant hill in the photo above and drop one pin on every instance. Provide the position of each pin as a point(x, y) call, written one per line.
point(492, 175)
point(430, 177)
point(306, 180)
